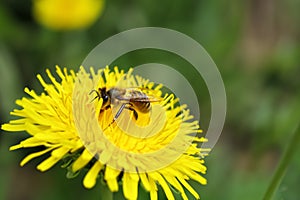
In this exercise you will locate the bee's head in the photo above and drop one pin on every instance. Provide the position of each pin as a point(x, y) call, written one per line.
point(104, 95)
point(101, 93)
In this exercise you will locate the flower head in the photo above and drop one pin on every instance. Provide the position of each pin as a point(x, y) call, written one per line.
point(133, 145)
point(67, 14)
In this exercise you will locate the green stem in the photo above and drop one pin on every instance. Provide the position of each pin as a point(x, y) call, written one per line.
point(283, 164)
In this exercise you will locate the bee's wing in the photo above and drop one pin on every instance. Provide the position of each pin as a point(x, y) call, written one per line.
point(139, 99)
point(148, 99)
point(136, 94)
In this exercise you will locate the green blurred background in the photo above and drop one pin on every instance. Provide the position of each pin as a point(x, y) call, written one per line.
point(255, 44)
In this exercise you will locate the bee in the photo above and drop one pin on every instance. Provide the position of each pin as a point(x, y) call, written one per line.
point(132, 99)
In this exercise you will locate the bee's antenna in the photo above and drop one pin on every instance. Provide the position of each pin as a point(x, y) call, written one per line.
point(96, 97)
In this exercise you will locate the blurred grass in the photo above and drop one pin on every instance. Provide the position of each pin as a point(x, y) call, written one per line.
point(255, 44)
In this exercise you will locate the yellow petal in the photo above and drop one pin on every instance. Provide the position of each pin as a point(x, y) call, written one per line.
point(156, 176)
point(153, 189)
point(174, 182)
point(90, 178)
point(83, 159)
point(130, 185)
point(110, 176)
point(56, 155)
point(188, 187)
point(13, 127)
point(30, 142)
point(145, 181)
point(153, 195)
point(34, 155)
point(194, 175)
point(47, 164)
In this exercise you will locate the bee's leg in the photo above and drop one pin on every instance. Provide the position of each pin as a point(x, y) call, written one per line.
point(117, 115)
point(119, 111)
point(135, 114)
point(106, 107)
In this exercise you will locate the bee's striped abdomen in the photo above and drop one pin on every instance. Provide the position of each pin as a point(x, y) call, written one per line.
point(143, 104)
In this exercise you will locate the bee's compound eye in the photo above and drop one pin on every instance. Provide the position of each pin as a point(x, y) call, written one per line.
point(105, 98)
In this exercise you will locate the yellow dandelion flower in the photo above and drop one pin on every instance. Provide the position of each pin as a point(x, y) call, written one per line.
point(67, 14)
point(73, 120)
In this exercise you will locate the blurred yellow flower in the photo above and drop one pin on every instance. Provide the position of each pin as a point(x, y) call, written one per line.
point(67, 14)
point(54, 120)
